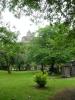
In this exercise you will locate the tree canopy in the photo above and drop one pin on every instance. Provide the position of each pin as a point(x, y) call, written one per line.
point(52, 46)
point(62, 10)
point(7, 45)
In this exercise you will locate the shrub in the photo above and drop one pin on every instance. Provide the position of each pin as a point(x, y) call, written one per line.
point(41, 79)
point(67, 94)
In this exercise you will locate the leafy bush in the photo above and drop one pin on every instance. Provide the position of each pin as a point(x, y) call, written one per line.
point(41, 79)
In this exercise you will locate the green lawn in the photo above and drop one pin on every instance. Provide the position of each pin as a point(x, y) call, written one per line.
point(21, 86)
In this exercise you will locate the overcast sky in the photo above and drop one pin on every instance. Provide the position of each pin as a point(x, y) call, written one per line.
point(23, 25)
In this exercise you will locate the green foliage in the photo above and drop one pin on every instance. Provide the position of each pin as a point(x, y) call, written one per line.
point(55, 10)
point(7, 36)
point(41, 79)
point(13, 4)
point(51, 44)
point(19, 60)
point(7, 46)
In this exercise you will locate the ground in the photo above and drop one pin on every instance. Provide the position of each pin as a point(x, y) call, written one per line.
point(21, 86)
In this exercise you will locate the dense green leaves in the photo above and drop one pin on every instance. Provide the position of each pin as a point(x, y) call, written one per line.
point(7, 46)
point(52, 46)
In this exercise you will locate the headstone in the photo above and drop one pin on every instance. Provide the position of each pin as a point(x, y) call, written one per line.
point(66, 72)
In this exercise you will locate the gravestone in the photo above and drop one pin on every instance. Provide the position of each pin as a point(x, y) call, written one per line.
point(66, 72)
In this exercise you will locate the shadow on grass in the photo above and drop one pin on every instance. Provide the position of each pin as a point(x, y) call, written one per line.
point(67, 94)
point(46, 88)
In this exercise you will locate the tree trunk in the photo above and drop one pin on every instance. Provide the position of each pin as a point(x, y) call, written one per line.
point(42, 68)
point(9, 71)
point(19, 68)
point(8, 65)
point(51, 69)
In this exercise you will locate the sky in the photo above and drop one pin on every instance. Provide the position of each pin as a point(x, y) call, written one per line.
point(23, 24)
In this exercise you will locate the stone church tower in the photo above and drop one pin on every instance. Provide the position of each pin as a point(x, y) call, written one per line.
point(28, 37)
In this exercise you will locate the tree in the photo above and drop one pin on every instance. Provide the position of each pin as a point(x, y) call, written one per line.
point(19, 60)
point(51, 46)
point(7, 45)
point(22, 57)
